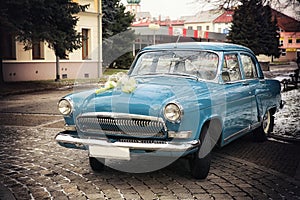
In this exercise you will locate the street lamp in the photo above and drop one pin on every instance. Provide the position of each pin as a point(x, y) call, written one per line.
point(154, 27)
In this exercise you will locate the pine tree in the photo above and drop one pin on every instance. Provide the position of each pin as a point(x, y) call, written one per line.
point(253, 27)
point(117, 37)
point(272, 35)
point(115, 19)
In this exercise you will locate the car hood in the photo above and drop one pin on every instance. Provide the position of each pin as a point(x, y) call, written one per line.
point(149, 97)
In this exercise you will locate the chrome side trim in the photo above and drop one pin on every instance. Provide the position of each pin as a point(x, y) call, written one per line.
point(243, 131)
point(256, 125)
point(66, 139)
point(236, 134)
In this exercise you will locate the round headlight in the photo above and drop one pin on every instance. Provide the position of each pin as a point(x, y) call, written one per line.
point(65, 107)
point(173, 112)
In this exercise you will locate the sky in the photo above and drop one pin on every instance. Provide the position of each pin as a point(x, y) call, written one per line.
point(172, 8)
point(177, 8)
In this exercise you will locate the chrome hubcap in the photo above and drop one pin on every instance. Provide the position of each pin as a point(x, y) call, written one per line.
point(266, 122)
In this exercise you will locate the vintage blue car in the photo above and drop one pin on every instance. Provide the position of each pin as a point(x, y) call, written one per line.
point(177, 100)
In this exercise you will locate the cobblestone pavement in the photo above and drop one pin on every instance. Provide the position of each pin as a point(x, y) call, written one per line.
point(33, 166)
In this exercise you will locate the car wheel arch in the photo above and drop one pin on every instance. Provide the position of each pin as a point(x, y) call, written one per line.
point(272, 111)
point(217, 126)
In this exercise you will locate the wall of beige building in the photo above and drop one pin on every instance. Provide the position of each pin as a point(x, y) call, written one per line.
point(25, 68)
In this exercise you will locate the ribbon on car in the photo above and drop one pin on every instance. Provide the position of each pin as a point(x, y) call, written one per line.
point(119, 80)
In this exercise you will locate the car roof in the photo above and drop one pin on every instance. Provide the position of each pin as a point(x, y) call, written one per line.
point(213, 46)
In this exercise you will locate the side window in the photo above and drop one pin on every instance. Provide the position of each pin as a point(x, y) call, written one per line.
point(231, 69)
point(249, 67)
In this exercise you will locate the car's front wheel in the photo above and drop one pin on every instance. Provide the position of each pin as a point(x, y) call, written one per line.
point(97, 164)
point(200, 161)
point(200, 166)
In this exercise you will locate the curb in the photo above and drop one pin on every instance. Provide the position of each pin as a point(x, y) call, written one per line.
point(285, 139)
point(34, 90)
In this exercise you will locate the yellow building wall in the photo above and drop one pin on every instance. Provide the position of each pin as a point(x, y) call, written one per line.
point(24, 68)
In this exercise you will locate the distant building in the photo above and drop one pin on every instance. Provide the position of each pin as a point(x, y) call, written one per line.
point(214, 25)
point(203, 21)
point(39, 62)
point(133, 6)
point(187, 28)
point(223, 23)
point(289, 36)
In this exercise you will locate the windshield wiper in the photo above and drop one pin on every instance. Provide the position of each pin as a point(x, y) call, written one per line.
point(168, 74)
point(185, 75)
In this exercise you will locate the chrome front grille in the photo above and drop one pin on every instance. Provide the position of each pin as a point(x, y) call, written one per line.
point(118, 124)
point(142, 141)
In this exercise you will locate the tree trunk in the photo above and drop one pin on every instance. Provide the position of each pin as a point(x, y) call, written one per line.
point(1, 58)
point(57, 69)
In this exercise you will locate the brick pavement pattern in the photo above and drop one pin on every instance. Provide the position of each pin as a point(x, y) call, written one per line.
point(33, 166)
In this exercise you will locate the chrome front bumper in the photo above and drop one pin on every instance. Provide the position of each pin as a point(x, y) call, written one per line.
point(73, 141)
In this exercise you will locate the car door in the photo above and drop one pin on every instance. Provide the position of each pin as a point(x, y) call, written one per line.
point(238, 115)
point(249, 66)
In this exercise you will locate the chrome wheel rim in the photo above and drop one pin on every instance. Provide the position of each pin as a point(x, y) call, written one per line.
point(266, 123)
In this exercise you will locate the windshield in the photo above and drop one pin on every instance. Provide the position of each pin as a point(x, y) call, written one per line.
point(199, 64)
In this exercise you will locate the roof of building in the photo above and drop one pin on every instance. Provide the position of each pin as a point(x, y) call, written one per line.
point(142, 15)
point(167, 22)
point(226, 17)
point(205, 16)
point(286, 23)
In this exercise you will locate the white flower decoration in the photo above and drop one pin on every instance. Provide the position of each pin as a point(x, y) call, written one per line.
point(127, 84)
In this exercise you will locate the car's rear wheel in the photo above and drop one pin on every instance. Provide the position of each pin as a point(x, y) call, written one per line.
point(200, 161)
point(97, 164)
point(263, 132)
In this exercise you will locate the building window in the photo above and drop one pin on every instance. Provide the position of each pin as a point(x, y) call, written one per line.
point(38, 50)
point(199, 28)
point(8, 45)
point(190, 28)
point(281, 42)
point(226, 31)
point(85, 44)
point(298, 40)
point(207, 28)
point(283, 52)
point(290, 40)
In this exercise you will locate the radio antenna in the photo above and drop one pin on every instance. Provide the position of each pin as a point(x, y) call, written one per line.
point(178, 38)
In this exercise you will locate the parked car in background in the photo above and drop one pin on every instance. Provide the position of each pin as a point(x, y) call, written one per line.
point(177, 100)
